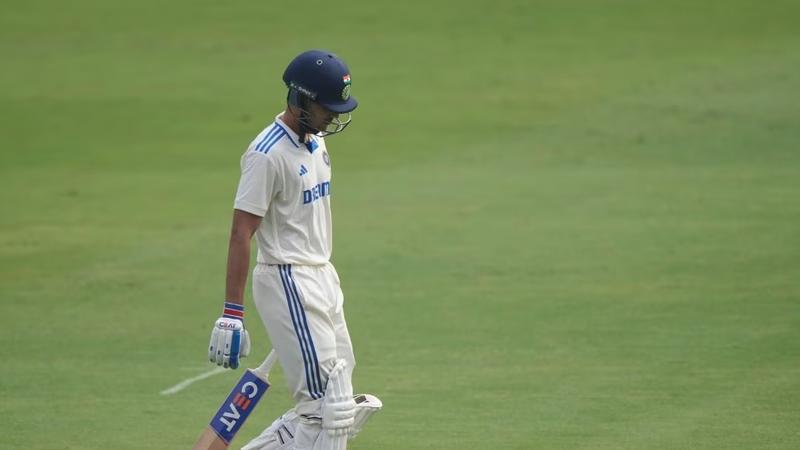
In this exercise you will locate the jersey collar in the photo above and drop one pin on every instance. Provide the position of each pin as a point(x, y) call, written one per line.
point(312, 143)
point(289, 132)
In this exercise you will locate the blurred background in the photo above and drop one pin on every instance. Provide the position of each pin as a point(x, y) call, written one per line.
point(558, 224)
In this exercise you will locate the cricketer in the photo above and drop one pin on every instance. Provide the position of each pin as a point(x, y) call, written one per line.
point(283, 198)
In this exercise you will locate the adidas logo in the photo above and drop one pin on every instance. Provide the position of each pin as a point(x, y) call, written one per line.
point(303, 170)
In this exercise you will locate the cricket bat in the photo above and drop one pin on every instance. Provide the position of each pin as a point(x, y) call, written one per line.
point(237, 407)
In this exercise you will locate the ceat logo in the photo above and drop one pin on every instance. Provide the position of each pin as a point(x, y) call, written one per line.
point(241, 401)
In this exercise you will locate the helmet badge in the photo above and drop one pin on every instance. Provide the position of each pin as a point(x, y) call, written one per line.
point(346, 89)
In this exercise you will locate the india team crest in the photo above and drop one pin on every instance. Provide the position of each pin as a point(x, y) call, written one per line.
point(326, 158)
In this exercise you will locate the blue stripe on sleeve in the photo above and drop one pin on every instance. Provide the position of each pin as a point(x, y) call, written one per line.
point(272, 132)
point(274, 140)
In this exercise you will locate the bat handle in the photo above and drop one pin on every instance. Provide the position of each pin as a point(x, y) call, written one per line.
point(263, 370)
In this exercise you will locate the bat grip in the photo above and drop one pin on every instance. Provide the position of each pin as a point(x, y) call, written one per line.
point(263, 370)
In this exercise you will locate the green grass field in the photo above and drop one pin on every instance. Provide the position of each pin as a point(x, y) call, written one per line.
point(559, 224)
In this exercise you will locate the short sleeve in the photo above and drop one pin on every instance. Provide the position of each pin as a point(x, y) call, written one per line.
point(258, 184)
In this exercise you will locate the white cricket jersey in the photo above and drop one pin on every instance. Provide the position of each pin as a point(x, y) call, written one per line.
point(288, 184)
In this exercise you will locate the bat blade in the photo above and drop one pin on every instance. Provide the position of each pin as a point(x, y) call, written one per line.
point(236, 408)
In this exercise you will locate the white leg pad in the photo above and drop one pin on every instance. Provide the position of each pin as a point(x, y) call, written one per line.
point(343, 416)
point(281, 434)
point(278, 436)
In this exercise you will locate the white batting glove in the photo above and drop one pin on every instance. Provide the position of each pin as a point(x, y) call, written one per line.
point(366, 406)
point(339, 408)
point(229, 339)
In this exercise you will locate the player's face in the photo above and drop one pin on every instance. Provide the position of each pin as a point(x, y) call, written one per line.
point(325, 120)
point(320, 116)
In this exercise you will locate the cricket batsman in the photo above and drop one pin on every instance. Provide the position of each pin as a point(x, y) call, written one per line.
point(283, 198)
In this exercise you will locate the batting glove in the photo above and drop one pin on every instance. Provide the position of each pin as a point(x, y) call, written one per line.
point(339, 408)
point(229, 339)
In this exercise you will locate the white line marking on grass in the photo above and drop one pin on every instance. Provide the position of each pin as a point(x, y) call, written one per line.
point(187, 382)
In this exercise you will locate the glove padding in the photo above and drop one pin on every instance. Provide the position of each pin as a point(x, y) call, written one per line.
point(338, 408)
point(229, 342)
point(366, 406)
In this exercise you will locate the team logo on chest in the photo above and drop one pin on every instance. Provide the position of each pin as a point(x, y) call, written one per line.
point(326, 158)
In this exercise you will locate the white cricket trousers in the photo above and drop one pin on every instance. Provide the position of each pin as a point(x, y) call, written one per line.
point(302, 310)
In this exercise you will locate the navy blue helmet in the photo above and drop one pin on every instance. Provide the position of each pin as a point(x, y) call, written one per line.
point(322, 77)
